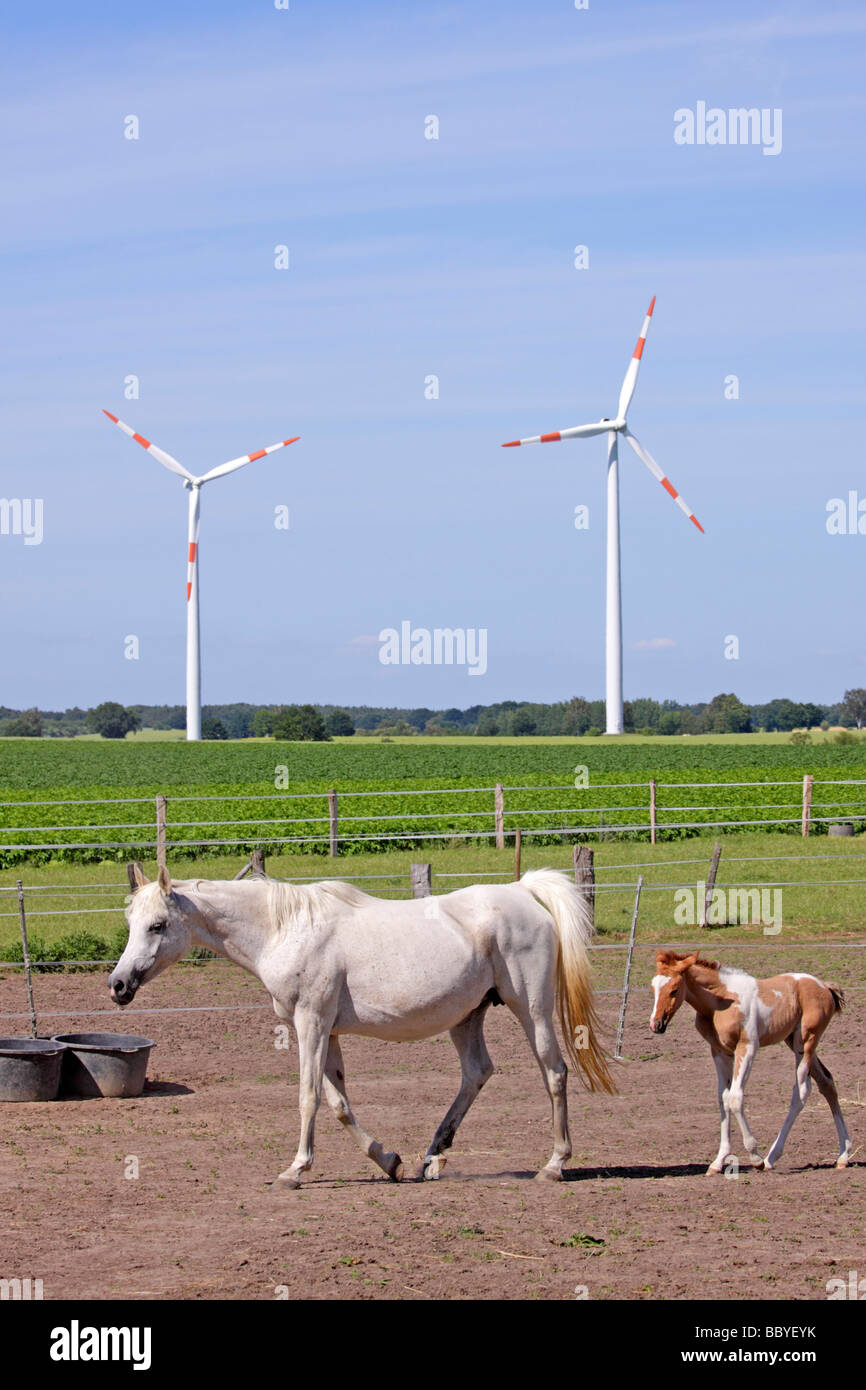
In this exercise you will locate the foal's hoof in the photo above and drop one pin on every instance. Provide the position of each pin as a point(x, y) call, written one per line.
point(713, 1171)
point(767, 1166)
point(843, 1161)
point(283, 1185)
point(433, 1167)
point(393, 1166)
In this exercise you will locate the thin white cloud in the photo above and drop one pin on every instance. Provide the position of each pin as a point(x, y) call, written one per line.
point(654, 644)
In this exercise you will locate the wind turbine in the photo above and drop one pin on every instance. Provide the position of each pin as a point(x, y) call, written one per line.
point(194, 485)
point(613, 641)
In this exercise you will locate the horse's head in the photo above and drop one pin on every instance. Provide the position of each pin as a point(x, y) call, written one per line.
point(159, 935)
point(669, 987)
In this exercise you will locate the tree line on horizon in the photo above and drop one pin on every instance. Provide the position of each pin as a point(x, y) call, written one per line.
point(576, 717)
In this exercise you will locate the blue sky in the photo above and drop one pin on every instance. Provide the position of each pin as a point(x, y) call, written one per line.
point(412, 257)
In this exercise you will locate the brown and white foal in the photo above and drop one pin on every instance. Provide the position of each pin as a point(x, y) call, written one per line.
point(737, 1014)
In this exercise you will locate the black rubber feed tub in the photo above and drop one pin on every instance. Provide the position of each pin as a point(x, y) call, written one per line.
point(104, 1064)
point(30, 1068)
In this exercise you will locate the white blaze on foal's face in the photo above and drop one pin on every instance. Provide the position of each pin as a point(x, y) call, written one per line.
point(668, 992)
point(158, 936)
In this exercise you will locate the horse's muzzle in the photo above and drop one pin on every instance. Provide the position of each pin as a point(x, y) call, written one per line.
point(122, 991)
point(658, 1025)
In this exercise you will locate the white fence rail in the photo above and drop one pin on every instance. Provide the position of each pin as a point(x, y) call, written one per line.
point(652, 808)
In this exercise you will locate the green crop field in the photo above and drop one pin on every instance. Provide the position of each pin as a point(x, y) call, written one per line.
point(266, 793)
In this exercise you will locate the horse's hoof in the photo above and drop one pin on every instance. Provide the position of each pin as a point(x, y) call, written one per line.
point(549, 1175)
point(433, 1167)
point(283, 1185)
point(767, 1166)
point(393, 1167)
point(843, 1161)
point(713, 1171)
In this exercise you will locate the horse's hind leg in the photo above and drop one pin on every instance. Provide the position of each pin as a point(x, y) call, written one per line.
point(827, 1086)
point(335, 1093)
point(476, 1068)
point(799, 1096)
point(542, 1039)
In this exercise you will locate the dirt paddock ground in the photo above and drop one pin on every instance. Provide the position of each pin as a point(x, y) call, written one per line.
point(635, 1219)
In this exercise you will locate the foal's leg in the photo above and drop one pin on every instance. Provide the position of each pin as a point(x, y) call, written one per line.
point(312, 1034)
point(744, 1056)
point(335, 1093)
point(827, 1086)
point(724, 1072)
point(476, 1068)
point(799, 1096)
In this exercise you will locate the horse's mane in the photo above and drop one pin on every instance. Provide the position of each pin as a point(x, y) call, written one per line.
point(300, 904)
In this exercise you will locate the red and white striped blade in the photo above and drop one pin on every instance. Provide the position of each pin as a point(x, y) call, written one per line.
point(578, 432)
point(647, 458)
point(192, 552)
point(630, 379)
point(230, 467)
point(165, 459)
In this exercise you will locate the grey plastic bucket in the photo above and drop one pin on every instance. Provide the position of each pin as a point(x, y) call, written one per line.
point(104, 1064)
point(30, 1068)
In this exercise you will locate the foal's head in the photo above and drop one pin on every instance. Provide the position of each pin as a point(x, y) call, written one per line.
point(669, 986)
point(159, 934)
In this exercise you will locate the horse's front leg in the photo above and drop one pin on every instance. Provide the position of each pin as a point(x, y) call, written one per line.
point(337, 1097)
point(313, 1033)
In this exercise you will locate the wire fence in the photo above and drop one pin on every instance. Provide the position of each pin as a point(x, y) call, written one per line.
point(612, 981)
point(319, 821)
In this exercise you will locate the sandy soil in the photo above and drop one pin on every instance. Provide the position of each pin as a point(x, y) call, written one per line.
point(636, 1219)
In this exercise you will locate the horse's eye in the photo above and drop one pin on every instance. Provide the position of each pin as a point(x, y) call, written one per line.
point(158, 926)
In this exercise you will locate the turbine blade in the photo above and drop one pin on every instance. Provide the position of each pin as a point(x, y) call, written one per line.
point(192, 553)
point(646, 457)
point(165, 459)
point(578, 432)
point(230, 467)
point(630, 379)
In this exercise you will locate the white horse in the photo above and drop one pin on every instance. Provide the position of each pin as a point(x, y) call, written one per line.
point(336, 960)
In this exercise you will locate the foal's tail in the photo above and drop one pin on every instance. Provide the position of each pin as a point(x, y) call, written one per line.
point(574, 996)
point(838, 996)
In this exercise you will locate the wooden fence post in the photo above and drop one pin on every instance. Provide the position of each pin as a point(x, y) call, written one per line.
point(332, 823)
point(584, 875)
point(500, 816)
point(807, 804)
point(652, 811)
point(160, 831)
point(25, 956)
point(257, 861)
point(518, 838)
point(711, 884)
point(421, 879)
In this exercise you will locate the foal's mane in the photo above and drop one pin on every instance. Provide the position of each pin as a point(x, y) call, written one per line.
point(673, 958)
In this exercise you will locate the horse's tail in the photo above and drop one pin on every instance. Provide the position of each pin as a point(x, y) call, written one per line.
point(838, 996)
point(574, 995)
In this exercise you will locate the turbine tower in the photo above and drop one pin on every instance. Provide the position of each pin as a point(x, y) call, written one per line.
point(194, 485)
point(612, 428)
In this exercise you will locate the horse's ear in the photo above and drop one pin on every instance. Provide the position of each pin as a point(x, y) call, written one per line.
point(139, 876)
point(164, 881)
point(688, 961)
